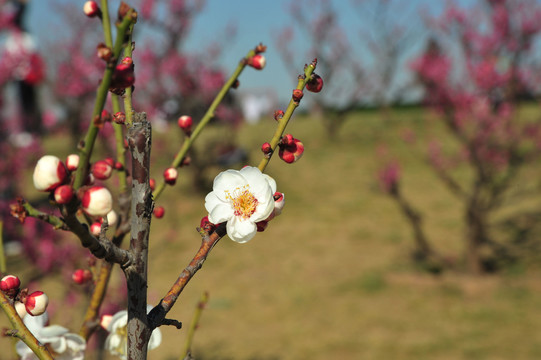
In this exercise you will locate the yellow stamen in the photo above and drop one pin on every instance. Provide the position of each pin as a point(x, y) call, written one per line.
point(243, 201)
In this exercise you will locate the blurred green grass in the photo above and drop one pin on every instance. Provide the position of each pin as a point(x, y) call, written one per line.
point(331, 278)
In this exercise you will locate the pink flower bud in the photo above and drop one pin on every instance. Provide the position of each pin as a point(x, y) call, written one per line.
point(106, 116)
point(20, 309)
point(170, 175)
point(297, 95)
point(185, 123)
point(72, 162)
point(257, 61)
point(63, 194)
point(36, 303)
point(9, 283)
point(159, 211)
point(119, 166)
point(291, 149)
point(119, 117)
point(206, 225)
point(81, 276)
point(279, 203)
point(152, 184)
point(278, 115)
point(97, 201)
point(315, 84)
point(49, 173)
point(91, 9)
point(266, 148)
point(110, 161)
point(95, 228)
point(124, 75)
point(102, 170)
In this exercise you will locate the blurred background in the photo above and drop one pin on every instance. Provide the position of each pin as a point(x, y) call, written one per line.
point(412, 222)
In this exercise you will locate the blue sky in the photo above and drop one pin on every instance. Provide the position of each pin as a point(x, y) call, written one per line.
point(256, 21)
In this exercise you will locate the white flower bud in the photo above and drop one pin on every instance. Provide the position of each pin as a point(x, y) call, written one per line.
point(49, 173)
point(97, 201)
point(72, 162)
point(36, 303)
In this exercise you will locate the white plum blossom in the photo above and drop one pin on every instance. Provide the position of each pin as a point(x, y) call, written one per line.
point(62, 344)
point(117, 340)
point(242, 198)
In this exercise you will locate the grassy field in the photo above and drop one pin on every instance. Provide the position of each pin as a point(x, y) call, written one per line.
point(332, 278)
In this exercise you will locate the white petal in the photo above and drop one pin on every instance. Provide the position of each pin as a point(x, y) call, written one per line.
point(36, 323)
point(262, 211)
point(259, 185)
point(219, 211)
point(155, 339)
point(272, 183)
point(241, 231)
point(58, 345)
point(226, 182)
point(23, 350)
point(53, 331)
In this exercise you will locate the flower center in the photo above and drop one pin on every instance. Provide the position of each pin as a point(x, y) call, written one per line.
point(243, 202)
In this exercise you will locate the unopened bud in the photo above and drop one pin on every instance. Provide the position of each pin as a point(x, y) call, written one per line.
point(63, 194)
point(170, 176)
point(112, 218)
point(20, 309)
point(291, 149)
point(260, 48)
point(257, 61)
point(91, 9)
point(104, 52)
point(49, 173)
point(72, 162)
point(124, 75)
point(278, 115)
point(279, 203)
point(315, 84)
point(266, 148)
point(185, 123)
point(81, 276)
point(106, 116)
point(159, 211)
point(102, 170)
point(105, 321)
point(97, 201)
point(206, 225)
point(36, 303)
point(261, 225)
point(10, 284)
point(119, 117)
point(152, 184)
point(297, 95)
point(95, 228)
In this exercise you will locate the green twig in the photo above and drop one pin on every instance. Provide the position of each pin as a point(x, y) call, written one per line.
point(205, 120)
point(194, 324)
point(20, 331)
point(101, 97)
point(282, 123)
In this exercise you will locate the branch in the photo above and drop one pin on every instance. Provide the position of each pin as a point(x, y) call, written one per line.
point(20, 331)
point(157, 314)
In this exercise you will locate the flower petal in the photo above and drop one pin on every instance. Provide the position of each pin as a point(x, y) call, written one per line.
point(226, 182)
point(263, 211)
point(259, 186)
point(155, 339)
point(272, 182)
point(219, 211)
point(241, 231)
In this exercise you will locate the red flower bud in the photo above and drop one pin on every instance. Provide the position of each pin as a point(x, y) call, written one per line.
point(206, 225)
point(291, 149)
point(102, 169)
point(170, 176)
point(95, 228)
point(315, 84)
point(185, 123)
point(119, 117)
point(297, 95)
point(266, 148)
point(105, 116)
point(152, 184)
point(81, 276)
point(91, 9)
point(262, 225)
point(10, 283)
point(257, 61)
point(36, 303)
point(124, 75)
point(278, 115)
point(63, 194)
point(159, 211)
